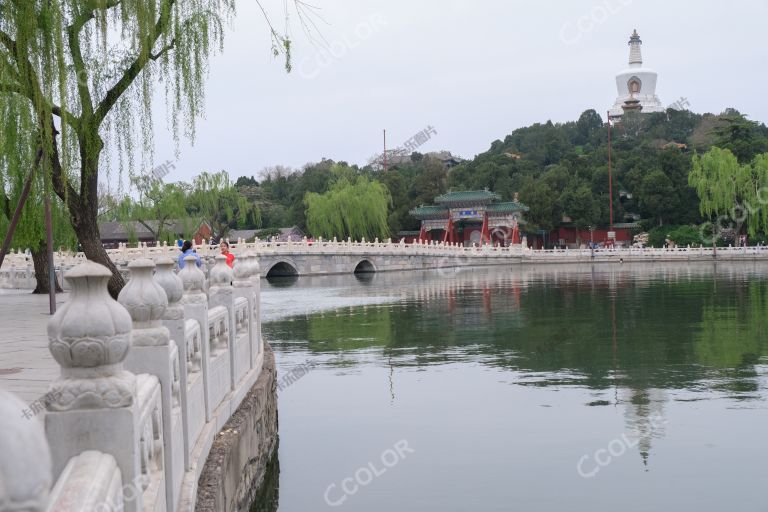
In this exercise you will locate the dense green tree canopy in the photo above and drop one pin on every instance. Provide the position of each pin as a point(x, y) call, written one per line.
point(354, 207)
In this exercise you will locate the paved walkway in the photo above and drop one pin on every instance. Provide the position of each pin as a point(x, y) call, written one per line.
point(26, 365)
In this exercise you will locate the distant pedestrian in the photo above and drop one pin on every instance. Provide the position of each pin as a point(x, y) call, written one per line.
point(187, 250)
point(224, 247)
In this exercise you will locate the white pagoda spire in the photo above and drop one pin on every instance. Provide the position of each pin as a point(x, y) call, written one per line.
point(635, 58)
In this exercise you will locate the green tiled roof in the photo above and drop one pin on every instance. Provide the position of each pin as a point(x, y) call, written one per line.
point(467, 195)
point(437, 212)
point(506, 207)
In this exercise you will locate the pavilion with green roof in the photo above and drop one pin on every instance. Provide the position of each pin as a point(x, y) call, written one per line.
point(471, 217)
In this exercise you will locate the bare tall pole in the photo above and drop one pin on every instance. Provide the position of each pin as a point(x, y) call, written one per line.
point(610, 174)
point(385, 150)
point(49, 248)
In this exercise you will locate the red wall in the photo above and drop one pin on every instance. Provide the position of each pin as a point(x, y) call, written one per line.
point(570, 235)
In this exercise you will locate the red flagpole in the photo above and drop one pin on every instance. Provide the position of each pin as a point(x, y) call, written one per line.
point(484, 235)
point(610, 174)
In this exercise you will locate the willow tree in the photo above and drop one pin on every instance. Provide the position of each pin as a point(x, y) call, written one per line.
point(354, 208)
point(730, 190)
point(214, 199)
point(80, 74)
point(159, 207)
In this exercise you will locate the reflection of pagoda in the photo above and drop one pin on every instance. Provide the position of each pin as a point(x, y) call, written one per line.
point(644, 416)
point(471, 217)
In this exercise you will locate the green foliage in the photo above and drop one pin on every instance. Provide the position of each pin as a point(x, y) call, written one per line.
point(658, 197)
point(351, 208)
point(716, 176)
point(159, 206)
point(214, 199)
point(684, 236)
point(738, 192)
point(742, 137)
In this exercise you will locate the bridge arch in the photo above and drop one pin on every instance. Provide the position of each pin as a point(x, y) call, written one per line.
point(282, 268)
point(364, 266)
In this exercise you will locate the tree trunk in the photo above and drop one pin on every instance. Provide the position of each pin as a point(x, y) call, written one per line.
point(83, 207)
point(86, 227)
point(40, 261)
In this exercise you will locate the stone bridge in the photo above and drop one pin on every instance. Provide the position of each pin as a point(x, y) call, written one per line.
point(331, 257)
point(302, 260)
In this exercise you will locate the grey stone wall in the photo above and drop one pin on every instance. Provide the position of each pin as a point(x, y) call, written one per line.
point(237, 462)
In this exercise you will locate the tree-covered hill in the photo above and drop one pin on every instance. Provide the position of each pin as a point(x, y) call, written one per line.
point(559, 170)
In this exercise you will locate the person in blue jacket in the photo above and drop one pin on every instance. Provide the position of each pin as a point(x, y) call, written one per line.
point(187, 250)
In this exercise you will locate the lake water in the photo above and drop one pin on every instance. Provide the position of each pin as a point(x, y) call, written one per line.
point(568, 388)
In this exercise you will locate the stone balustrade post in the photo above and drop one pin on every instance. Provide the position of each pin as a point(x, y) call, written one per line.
point(173, 319)
point(255, 277)
point(94, 404)
point(155, 353)
point(195, 303)
point(243, 288)
point(221, 293)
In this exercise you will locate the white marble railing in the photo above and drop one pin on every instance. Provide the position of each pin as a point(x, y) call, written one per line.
point(146, 383)
point(18, 273)
point(649, 253)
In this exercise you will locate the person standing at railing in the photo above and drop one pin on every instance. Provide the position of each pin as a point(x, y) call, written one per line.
point(187, 250)
point(224, 248)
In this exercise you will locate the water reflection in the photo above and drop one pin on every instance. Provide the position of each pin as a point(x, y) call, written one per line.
point(638, 344)
point(282, 281)
point(268, 496)
point(673, 328)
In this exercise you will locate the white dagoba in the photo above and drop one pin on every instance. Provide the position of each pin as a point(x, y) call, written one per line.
point(636, 85)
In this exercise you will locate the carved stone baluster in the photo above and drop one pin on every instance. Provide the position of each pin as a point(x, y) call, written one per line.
point(153, 353)
point(93, 404)
point(221, 294)
point(195, 304)
point(243, 288)
point(173, 319)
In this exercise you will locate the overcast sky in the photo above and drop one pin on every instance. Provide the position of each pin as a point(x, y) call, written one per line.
point(473, 70)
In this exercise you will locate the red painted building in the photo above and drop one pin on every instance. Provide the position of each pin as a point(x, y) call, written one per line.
point(573, 237)
point(471, 217)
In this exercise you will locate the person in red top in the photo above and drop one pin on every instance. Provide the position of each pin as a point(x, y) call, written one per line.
point(224, 247)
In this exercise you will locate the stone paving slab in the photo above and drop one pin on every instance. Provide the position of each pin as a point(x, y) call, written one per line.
point(26, 365)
